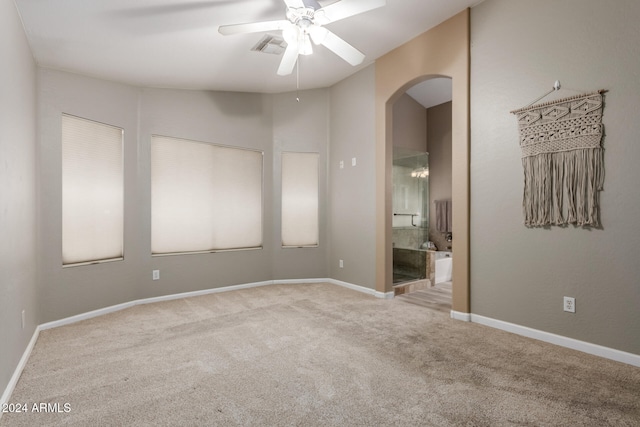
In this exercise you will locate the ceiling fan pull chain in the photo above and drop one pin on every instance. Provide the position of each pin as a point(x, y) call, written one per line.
point(298, 80)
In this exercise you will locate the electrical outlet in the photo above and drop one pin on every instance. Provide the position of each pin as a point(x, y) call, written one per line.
point(341, 264)
point(570, 304)
point(353, 161)
point(341, 164)
point(156, 274)
point(23, 319)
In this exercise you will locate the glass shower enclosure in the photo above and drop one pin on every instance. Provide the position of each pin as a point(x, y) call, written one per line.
point(410, 215)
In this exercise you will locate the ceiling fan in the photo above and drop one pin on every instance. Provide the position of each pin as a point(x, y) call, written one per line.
point(304, 23)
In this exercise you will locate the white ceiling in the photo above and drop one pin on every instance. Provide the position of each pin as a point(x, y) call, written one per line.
point(176, 44)
point(432, 92)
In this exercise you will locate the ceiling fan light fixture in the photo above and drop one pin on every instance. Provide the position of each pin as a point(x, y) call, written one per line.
point(305, 47)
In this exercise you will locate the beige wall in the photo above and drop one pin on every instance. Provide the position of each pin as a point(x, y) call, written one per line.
point(18, 255)
point(441, 51)
point(440, 165)
point(520, 275)
point(351, 193)
point(409, 125)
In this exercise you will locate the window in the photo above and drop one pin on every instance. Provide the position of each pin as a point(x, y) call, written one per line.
point(299, 199)
point(92, 191)
point(204, 197)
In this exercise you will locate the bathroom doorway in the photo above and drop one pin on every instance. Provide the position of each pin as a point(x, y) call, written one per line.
point(422, 237)
point(442, 51)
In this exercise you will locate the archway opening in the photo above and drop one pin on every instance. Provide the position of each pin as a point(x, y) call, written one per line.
point(422, 237)
point(440, 52)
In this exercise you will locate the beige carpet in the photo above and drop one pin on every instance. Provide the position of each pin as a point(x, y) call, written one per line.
point(309, 355)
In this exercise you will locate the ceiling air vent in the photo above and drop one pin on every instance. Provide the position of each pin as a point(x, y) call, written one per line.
point(270, 44)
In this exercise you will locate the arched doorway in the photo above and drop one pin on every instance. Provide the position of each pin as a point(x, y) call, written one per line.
point(421, 182)
point(440, 52)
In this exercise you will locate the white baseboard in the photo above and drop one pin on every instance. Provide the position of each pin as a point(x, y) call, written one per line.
point(369, 291)
point(21, 364)
point(85, 316)
point(585, 347)
point(364, 290)
point(458, 315)
point(202, 292)
point(299, 281)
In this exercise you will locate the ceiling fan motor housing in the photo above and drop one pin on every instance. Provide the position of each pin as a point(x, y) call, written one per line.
point(302, 17)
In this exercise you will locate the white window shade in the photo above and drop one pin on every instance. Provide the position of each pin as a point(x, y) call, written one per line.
point(300, 199)
point(92, 191)
point(204, 197)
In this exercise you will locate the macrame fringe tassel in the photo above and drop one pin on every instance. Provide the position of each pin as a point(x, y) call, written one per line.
point(551, 179)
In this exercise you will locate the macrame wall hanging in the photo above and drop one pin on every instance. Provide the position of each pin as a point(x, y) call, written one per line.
point(562, 159)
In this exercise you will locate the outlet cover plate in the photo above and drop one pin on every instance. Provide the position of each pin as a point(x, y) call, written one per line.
point(569, 304)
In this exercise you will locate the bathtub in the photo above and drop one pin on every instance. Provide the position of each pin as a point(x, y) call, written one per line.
point(444, 264)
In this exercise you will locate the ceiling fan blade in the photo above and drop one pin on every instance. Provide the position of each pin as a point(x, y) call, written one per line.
point(253, 27)
point(288, 60)
point(294, 3)
point(346, 8)
point(341, 48)
point(317, 33)
point(313, 4)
